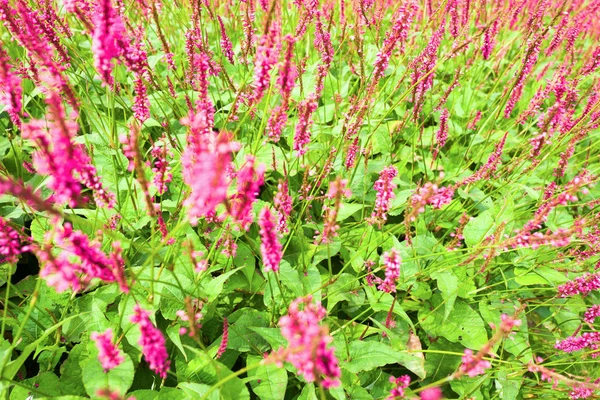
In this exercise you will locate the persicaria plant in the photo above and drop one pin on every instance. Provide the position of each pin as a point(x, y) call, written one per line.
point(299, 199)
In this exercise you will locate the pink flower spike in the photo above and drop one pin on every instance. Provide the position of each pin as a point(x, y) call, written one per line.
point(307, 343)
point(226, 46)
point(224, 339)
point(108, 353)
point(10, 244)
point(391, 261)
point(152, 342)
point(109, 34)
point(441, 135)
point(434, 393)
point(471, 366)
point(385, 194)
point(400, 384)
point(270, 247)
point(592, 313)
point(249, 180)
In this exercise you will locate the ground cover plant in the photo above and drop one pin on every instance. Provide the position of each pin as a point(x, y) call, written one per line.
point(361, 199)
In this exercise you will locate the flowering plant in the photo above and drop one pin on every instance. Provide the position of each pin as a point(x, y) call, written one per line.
point(299, 199)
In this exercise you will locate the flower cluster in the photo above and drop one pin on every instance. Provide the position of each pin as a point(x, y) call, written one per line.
point(152, 342)
point(580, 285)
point(108, 353)
point(62, 272)
point(270, 247)
point(384, 186)
point(400, 384)
point(573, 343)
point(391, 262)
point(473, 365)
point(10, 243)
point(307, 343)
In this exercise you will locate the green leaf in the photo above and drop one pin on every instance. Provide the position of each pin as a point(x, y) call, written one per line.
point(508, 389)
point(439, 360)
point(448, 284)
point(71, 376)
point(94, 378)
point(46, 383)
point(367, 355)
point(464, 324)
point(269, 381)
point(214, 286)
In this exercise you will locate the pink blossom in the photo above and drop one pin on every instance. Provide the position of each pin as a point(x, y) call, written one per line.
point(63, 271)
point(267, 53)
point(205, 169)
point(270, 247)
point(306, 109)
point(391, 262)
point(384, 186)
point(337, 190)
point(67, 164)
point(424, 69)
point(574, 343)
point(227, 244)
point(249, 180)
point(473, 123)
point(580, 285)
point(430, 194)
point(593, 63)
point(108, 353)
point(323, 45)
point(559, 34)
point(442, 134)
point(529, 60)
point(226, 46)
point(434, 393)
point(285, 83)
point(592, 313)
point(489, 39)
point(160, 166)
point(400, 384)
point(117, 265)
point(141, 104)
point(473, 366)
point(580, 392)
point(351, 154)
point(11, 92)
point(307, 343)
point(224, 339)
point(283, 204)
point(489, 167)
point(508, 323)
point(10, 244)
point(398, 33)
point(109, 34)
point(152, 342)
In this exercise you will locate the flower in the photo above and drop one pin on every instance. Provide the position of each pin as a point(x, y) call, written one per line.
point(434, 393)
point(10, 243)
point(473, 366)
point(400, 384)
point(108, 353)
point(385, 194)
point(249, 180)
point(152, 342)
point(307, 343)
point(270, 247)
point(391, 261)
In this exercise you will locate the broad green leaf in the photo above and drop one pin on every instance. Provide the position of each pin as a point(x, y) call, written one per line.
point(463, 325)
point(94, 378)
point(366, 355)
point(269, 381)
